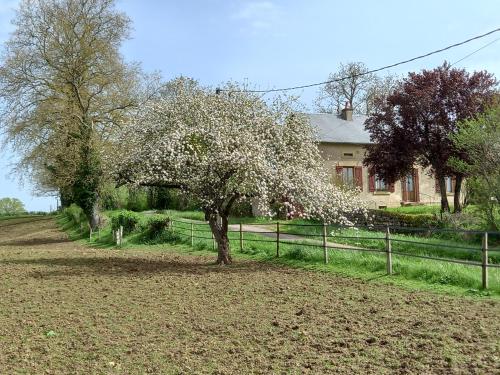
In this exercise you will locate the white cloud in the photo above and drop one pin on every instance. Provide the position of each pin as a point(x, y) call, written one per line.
point(257, 16)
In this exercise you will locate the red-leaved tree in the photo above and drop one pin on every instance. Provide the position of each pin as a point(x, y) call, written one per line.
point(413, 124)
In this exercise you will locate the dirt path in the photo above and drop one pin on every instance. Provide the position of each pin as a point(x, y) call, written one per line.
point(68, 309)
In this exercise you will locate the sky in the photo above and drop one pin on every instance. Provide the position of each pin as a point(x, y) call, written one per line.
point(278, 43)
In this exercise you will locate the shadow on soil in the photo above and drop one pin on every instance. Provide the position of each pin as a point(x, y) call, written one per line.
point(35, 242)
point(126, 267)
point(16, 221)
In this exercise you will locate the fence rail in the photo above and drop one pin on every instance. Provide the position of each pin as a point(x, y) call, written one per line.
point(322, 240)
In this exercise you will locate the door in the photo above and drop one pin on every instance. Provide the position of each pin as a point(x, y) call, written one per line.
point(410, 187)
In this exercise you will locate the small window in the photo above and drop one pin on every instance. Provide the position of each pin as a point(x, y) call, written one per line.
point(348, 154)
point(380, 185)
point(348, 175)
point(449, 184)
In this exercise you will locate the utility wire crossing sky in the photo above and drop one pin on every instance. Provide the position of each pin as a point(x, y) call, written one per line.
point(278, 43)
point(384, 67)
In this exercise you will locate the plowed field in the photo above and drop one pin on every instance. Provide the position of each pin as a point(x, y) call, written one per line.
point(69, 309)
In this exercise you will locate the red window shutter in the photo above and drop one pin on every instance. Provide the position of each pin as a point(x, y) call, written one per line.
point(338, 169)
point(416, 183)
point(404, 191)
point(371, 180)
point(358, 177)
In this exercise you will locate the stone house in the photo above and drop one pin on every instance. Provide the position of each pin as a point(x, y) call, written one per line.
point(342, 143)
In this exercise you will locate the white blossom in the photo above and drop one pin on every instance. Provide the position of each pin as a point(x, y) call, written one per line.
point(227, 147)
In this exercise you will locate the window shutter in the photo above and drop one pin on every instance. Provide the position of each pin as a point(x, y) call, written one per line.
point(358, 177)
point(371, 180)
point(416, 187)
point(338, 169)
point(404, 190)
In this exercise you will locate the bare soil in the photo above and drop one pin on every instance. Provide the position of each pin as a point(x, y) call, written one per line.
point(69, 309)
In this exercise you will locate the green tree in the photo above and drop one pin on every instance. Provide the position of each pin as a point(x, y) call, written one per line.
point(11, 206)
point(64, 86)
point(413, 124)
point(480, 139)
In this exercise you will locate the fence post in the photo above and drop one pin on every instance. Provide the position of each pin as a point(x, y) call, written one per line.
point(277, 239)
point(241, 238)
point(121, 235)
point(485, 261)
point(192, 238)
point(388, 250)
point(325, 248)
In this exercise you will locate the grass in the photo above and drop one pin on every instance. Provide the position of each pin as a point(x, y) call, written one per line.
point(410, 272)
point(416, 210)
point(70, 308)
point(20, 216)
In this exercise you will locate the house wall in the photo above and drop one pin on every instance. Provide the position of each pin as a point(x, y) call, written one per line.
point(335, 155)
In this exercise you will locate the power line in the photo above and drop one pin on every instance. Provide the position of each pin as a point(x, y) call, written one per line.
point(378, 69)
point(479, 49)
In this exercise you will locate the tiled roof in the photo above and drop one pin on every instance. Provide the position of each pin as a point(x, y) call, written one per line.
point(334, 129)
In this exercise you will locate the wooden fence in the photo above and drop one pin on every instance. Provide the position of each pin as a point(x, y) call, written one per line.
point(321, 239)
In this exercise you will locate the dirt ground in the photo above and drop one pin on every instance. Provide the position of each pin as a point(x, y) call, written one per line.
point(68, 309)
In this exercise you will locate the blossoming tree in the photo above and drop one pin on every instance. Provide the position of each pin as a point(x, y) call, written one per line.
point(221, 148)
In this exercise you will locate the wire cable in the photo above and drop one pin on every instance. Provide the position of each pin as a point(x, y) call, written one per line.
point(472, 53)
point(378, 69)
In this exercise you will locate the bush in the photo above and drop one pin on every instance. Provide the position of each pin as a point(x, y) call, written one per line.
point(155, 227)
point(242, 209)
point(158, 229)
point(137, 199)
point(74, 213)
point(382, 217)
point(127, 219)
point(112, 198)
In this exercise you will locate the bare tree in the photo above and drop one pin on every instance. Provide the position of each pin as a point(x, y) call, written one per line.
point(64, 86)
point(353, 84)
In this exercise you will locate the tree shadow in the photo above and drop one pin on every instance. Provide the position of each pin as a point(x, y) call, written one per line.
point(21, 221)
point(117, 266)
point(35, 241)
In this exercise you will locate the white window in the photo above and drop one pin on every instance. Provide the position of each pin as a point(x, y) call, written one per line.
point(449, 184)
point(348, 175)
point(380, 184)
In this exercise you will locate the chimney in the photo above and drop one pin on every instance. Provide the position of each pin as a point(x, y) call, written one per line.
point(347, 112)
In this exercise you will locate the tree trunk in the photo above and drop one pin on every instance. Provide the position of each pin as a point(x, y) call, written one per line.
point(219, 227)
point(445, 207)
point(456, 197)
point(93, 216)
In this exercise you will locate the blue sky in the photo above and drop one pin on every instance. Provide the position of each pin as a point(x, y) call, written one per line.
point(273, 44)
